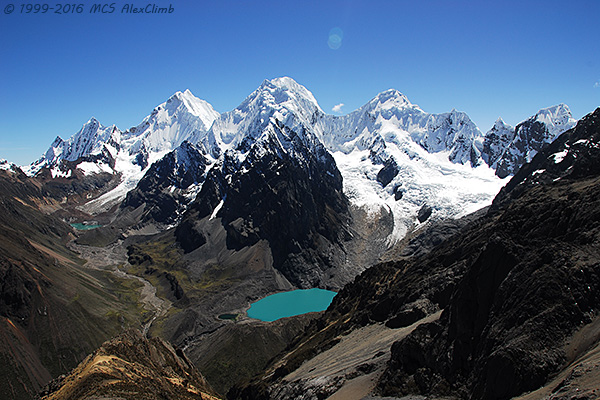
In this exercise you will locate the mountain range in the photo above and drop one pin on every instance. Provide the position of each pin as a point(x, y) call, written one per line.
point(206, 213)
point(278, 160)
point(386, 150)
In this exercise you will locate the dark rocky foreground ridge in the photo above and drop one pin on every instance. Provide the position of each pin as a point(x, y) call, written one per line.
point(519, 291)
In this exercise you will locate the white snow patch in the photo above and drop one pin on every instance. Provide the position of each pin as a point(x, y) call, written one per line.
point(5, 165)
point(192, 191)
point(217, 209)
point(558, 157)
point(89, 168)
point(57, 173)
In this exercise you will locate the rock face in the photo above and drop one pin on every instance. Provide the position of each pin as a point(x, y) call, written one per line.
point(132, 365)
point(514, 287)
point(169, 185)
point(285, 191)
point(496, 141)
point(505, 149)
point(424, 213)
point(388, 172)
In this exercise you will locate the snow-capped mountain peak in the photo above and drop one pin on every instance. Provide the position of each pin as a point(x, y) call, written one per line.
point(391, 118)
point(279, 99)
point(184, 112)
point(182, 117)
point(282, 94)
point(556, 118)
point(93, 139)
point(187, 102)
point(500, 124)
point(390, 99)
point(288, 86)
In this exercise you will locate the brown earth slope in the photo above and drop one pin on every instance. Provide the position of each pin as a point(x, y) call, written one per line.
point(53, 311)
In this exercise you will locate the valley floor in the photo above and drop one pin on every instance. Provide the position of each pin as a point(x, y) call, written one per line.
point(109, 258)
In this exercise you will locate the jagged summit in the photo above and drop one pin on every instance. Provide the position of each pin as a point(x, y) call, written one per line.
point(182, 117)
point(93, 140)
point(496, 141)
point(193, 105)
point(557, 118)
point(505, 148)
point(389, 101)
point(288, 85)
point(392, 95)
point(499, 124)
point(281, 93)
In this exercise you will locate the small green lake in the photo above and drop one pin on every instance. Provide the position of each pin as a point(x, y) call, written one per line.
point(288, 304)
point(230, 317)
point(83, 227)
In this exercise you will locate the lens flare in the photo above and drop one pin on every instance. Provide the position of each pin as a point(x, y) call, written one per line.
point(335, 38)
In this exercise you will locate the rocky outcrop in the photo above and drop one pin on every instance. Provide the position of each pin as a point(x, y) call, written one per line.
point(388, 172)
point(131, 364)
point(424, 213)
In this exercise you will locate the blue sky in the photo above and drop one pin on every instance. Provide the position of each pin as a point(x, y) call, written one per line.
point(489, 59)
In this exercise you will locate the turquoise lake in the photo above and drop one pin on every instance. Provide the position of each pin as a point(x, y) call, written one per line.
point(83, 227)
point(288, 304)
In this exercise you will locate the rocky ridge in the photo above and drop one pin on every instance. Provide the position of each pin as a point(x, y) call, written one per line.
point(131, 365)
point(53, 311)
